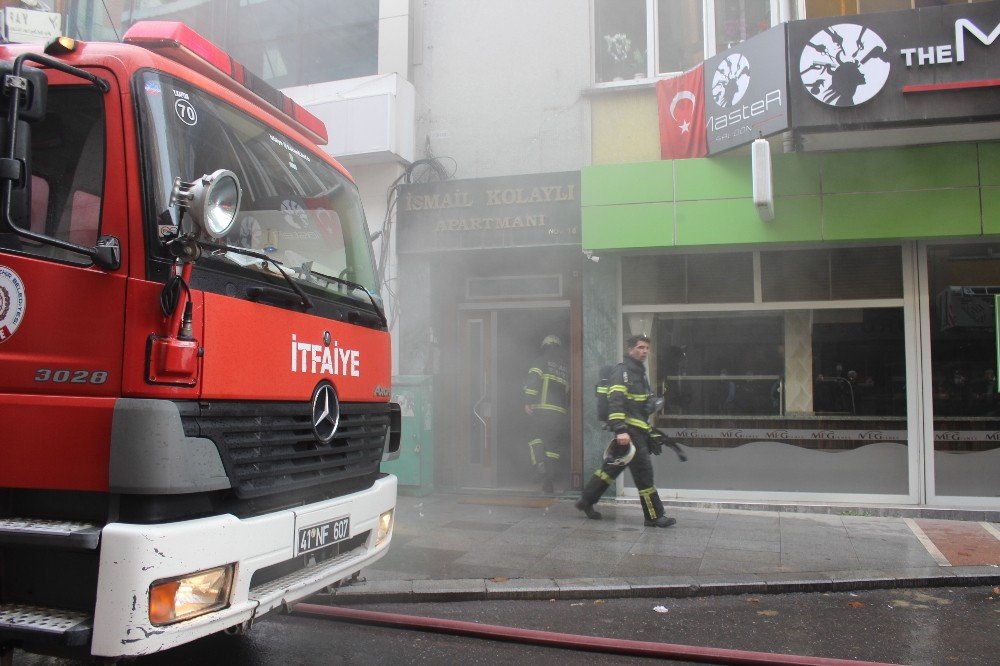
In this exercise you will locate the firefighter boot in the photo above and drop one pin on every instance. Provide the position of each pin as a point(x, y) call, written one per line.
point(652, 509)
point(549, 473)
point(591, 493)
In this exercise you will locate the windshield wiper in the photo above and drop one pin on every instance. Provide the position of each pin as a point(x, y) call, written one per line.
point(303, 299)
point(357, 287)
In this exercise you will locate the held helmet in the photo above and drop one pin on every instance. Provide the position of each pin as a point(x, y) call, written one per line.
point(613, 455)
point(551, 341)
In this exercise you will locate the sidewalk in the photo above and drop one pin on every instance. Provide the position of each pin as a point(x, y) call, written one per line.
point(464, 547)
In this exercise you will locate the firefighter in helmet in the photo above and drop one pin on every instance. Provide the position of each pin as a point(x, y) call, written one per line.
point(546, 402)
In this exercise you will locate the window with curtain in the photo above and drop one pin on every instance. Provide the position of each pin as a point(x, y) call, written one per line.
point(681, 41)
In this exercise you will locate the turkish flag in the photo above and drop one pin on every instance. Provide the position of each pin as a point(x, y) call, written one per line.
point(682, 115)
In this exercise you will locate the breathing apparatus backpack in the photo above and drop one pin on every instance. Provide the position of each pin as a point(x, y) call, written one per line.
point(657, 437)
point(601, 389)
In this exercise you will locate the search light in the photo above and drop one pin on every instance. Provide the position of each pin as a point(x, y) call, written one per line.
point(213, 201)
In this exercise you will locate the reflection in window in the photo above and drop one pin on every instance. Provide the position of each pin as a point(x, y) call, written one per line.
point(67, 166)
point(621, 39)
point(964, 281)
point(284, 42)
point(715, 277)
point(682, 45)
point(296, 208)
point(621, 29)
point(802, 400)
point(739, 20)
point(821, 8)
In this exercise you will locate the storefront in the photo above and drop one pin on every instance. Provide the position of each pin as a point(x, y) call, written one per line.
point(492, 266)
point(845, 348)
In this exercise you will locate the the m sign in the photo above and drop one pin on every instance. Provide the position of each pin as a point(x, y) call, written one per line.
point(943, 54)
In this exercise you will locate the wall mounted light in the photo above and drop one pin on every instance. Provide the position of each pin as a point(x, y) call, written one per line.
point(763, 187)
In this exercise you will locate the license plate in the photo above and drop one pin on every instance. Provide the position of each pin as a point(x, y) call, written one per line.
point(317, 536)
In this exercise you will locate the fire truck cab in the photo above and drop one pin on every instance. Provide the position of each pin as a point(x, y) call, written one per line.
point(194, 361)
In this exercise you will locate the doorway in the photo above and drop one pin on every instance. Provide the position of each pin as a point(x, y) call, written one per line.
point(498, 344)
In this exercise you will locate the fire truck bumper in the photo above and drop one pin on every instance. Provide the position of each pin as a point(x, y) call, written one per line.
point(277, 559)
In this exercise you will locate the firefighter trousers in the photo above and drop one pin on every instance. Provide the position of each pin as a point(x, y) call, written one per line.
point(549, 443)
point(641, 469)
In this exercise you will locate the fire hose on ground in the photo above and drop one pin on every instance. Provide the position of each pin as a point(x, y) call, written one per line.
point(568, 641)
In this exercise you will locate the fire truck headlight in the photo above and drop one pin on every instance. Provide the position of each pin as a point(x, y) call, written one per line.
point(175, 599)
point(384, 527)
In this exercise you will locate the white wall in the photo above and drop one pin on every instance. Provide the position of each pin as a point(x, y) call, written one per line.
point(499, 84)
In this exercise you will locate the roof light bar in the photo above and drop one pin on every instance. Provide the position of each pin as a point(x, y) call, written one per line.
point(183, 45)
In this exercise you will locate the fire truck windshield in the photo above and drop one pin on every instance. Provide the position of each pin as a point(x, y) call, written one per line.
point(297, 209)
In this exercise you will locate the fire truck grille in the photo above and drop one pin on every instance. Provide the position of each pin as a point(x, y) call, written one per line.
point(269, 448)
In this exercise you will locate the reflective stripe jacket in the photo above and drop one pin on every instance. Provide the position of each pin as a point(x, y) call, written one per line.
point(547, 386)
point(628, 397)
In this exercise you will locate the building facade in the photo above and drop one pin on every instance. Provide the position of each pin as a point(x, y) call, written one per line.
point(843, 348)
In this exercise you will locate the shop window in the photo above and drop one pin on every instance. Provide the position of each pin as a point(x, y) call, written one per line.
point(964, 281)
point(840, 274)
point(720, 278)
point(642, 38)
point(798, 400)
point(725, 277)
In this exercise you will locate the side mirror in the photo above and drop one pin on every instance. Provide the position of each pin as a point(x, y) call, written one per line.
point(15, 164)
point(34, 87)
point(23, 96)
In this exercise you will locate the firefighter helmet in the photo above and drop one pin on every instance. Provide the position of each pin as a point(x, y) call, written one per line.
point(552, 340)
point(617, 455)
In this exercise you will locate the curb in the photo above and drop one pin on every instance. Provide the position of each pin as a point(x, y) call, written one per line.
point(548, 589)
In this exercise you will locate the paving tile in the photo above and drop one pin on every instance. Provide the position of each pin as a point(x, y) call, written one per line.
point(725, 542)
point(832, 544)
point(595, 546)
point(746, 556)
point(559, 568)
point(501, 559)
point(479, 525)
point(652, 565)
point(669, 549)
point(731, 568)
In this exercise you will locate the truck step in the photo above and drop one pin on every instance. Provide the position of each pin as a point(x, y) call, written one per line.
point(49, 533)
point(35, 624)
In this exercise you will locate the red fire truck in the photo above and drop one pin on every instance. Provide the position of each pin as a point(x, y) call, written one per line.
point(194, 362)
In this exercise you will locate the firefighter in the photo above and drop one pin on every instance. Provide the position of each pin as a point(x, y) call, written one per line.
point(630, 402)
point(546, 402)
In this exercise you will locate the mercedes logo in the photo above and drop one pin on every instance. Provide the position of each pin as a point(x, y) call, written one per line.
point(325, 412)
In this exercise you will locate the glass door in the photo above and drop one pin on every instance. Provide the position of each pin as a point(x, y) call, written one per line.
point(962, 285)
point(477, 398)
